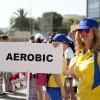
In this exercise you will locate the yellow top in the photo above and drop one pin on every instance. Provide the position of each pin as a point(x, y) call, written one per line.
point(52, 82)
point(88, 72)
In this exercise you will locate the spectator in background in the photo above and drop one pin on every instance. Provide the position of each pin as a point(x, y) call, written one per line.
point(33, 95)
point(51, 38)
point(57, 32)
point(72, 34)
point(31, 39)
point(4, 38)
point(69, 54)
point(42, 94)
point(75, 81)
point(8, 85)
point(39, 37)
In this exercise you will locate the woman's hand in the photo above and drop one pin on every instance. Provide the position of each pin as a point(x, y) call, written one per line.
point(63, 93)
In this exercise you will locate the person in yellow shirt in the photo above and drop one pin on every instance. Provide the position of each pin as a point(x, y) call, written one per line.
point(55, 85)
point(87, 61)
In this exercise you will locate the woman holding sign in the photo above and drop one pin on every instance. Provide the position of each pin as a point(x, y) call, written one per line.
point(55, 87)
point(87, 61)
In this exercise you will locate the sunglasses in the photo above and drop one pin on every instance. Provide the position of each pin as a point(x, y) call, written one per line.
point(86, 31)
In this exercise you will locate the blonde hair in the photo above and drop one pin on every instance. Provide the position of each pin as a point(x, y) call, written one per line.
point(95, 43)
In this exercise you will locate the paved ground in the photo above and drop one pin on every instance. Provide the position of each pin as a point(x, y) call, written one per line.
point(18, 95)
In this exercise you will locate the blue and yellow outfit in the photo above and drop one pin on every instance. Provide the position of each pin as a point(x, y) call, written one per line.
point(52, 82)
point(87, 70)
point(53, 89)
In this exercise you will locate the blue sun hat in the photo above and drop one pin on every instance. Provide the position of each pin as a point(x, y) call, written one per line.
point(87, 23)
point(61, 37)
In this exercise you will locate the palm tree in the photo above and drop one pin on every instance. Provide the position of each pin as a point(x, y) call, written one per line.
point(19, 21)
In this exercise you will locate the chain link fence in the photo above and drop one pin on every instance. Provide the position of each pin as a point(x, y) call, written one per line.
point(46, 24)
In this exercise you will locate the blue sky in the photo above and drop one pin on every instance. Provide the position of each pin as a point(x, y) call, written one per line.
point(38, 7)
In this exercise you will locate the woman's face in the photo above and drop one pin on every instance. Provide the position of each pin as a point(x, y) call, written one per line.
point(86, 36)
point(72, 36)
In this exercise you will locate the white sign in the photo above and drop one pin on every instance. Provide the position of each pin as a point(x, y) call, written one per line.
point(31, 57)
point(93, 8)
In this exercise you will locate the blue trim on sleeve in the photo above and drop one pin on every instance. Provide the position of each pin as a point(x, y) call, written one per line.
point(96, 71)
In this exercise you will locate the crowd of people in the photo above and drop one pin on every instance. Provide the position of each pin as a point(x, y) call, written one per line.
point(80, 77)
point(69, 50)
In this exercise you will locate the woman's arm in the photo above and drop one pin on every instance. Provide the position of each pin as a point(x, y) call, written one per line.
point(74, 77)
point(58, 80)
point(67, 71)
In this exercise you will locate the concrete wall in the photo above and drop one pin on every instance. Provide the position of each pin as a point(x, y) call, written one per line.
point(22, 34)
point(18, 39)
